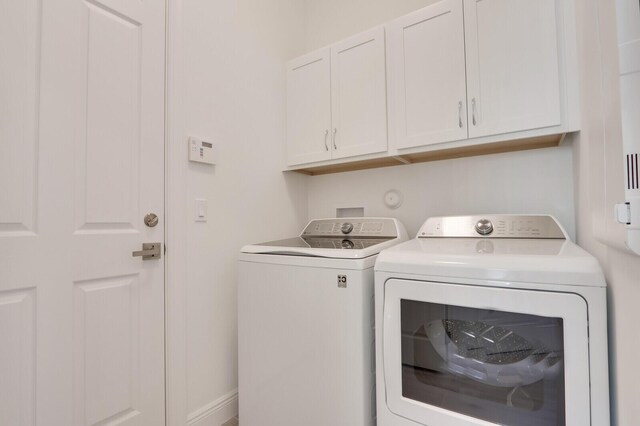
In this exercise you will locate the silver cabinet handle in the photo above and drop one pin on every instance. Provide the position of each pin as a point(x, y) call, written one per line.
point(460, 114)
point(473, 110)
point(333, 138)
point(149, 251)
point(326, 135)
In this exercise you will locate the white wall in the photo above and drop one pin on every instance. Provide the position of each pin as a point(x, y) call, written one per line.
point(600, 184)
point(226, 85)
point(537, 181)
point(331, 20)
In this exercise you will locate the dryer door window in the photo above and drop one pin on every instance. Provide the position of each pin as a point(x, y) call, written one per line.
point(503, 367)
point(494, 355)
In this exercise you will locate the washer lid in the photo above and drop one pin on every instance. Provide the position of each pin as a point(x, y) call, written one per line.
point(342, 238)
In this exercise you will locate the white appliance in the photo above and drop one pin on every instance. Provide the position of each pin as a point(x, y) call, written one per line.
point(491, 320)
point(305, 324)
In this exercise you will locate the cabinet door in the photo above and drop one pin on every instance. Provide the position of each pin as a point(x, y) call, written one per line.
point(427, 76)
point(309, 108)
point(512, 65)
point(358, 95)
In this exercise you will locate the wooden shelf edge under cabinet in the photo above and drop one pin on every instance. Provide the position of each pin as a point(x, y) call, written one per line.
point(538, 142)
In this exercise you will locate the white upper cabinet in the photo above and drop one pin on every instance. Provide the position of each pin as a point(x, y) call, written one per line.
point(462, 77)
point(513, 76)
point(463, 69)
point(309, 108)
point(336, 101)
point(428, 99)
point(358, 95)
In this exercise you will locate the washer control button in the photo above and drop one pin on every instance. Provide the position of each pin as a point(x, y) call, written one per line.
point(346, 227)
point(484, 227)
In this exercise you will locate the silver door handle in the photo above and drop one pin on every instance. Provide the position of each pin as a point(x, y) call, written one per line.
point(333, 138)
point(326, 135)
point(149, 251)
point(460, 114)
point(473, 110)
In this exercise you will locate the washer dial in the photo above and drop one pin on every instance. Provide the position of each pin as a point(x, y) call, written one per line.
point(346, 227)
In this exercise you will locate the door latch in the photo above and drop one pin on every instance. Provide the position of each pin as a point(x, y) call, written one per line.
point(149, 251)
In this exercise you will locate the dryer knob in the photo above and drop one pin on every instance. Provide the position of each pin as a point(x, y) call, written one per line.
point(346, 227)
point(484, 227)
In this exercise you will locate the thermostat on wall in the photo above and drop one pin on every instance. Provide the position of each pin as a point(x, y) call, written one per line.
point(201, 151)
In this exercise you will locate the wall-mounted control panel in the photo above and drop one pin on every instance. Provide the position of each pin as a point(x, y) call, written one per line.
point(201, 151)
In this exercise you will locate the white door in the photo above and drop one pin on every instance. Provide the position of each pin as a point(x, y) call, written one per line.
point(309, 108)
point(427, 76)
point(358, 95)
point(513, 77)
point(81, 163)
point(457, 355)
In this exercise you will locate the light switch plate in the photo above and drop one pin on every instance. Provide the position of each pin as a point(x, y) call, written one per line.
point(202, 208)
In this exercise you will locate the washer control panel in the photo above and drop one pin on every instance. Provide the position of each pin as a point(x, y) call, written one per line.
point(492, 226)
point(360, 227)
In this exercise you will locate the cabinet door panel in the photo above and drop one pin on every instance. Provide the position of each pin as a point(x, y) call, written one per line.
point(309, 108)
point(512, 65)
point(427, 75)
point(358, 95)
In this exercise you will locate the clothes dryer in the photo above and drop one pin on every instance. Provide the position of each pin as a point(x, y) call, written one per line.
point(491, 320)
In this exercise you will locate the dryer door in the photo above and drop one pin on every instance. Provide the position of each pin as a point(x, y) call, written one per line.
point(470, 355)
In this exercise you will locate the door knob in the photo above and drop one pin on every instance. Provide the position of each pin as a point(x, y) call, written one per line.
point(149, 251)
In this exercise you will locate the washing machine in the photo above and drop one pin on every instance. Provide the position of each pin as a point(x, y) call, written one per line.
point(491, 320)
point(305, 324)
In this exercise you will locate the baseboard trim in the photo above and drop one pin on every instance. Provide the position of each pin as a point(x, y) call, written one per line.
point(216, 412)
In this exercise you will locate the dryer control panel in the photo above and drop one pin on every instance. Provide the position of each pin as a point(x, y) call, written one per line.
point(492, 226)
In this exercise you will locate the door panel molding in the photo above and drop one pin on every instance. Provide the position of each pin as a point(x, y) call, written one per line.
point(20, 39)
point(106, 349)
point(17, 356)
point(108, 156)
